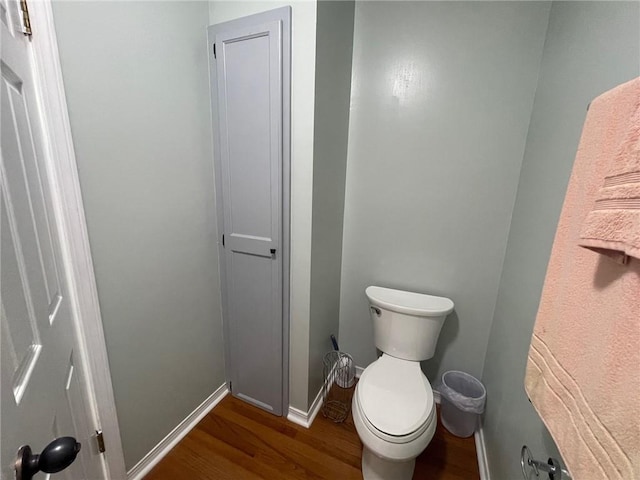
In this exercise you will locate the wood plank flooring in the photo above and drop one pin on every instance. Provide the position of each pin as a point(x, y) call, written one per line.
point(238, 441)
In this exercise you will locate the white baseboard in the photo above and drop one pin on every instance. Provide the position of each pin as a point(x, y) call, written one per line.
point(156, 454)
point(483, 464)
point(436, 396)
point(302, 418)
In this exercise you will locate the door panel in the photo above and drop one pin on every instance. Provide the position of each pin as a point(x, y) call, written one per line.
point(248, 106)
point(42, 394)
point(20, 338)
point(255, 336)
point(248, 137)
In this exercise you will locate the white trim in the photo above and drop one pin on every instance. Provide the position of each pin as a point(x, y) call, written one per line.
point(72, 233)
point(436, 396)
point(165, 445)
point(305, 419)
point(481, 452)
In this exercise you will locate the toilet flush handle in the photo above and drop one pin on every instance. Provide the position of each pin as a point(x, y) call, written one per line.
point(376, 309)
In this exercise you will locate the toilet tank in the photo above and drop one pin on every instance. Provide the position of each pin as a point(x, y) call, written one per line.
point(407, 325)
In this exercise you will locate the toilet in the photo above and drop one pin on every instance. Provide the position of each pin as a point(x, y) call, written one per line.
point(393, 407)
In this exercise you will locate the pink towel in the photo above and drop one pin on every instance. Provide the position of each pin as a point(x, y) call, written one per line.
point(613, 226)
point(583, 370)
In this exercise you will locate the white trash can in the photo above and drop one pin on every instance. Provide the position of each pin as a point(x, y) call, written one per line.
point(463, 398)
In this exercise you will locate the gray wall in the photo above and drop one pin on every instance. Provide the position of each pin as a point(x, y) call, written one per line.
point(590, 48)
point(441, 98)
point(334, 40)
point(137, 87)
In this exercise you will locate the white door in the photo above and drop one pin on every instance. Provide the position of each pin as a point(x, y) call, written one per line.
point(247, 91)
point(43, 392)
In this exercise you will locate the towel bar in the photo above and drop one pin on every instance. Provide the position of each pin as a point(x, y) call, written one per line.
point(553, 467)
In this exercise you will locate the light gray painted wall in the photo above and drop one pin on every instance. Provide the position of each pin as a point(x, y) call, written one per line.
point(441, 98)
point(303, 60)
point(136, 80)
point(590, 48)
point(334, 42)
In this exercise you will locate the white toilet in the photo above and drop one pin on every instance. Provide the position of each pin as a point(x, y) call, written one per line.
point(393, 407)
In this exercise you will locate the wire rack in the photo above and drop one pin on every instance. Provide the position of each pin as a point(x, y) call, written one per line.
point(339, 380)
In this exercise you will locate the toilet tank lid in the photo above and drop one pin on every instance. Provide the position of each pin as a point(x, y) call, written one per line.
point(409, 302)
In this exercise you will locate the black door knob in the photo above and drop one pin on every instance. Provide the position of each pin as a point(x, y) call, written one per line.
point(55, 457)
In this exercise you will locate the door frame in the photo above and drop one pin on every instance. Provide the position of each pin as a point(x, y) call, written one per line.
point(282, 14)
point(70, 222)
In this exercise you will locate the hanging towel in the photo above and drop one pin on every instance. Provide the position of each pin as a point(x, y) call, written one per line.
point(613, 226)
point(583, 369)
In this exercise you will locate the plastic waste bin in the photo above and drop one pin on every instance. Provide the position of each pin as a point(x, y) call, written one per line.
point(462, 400)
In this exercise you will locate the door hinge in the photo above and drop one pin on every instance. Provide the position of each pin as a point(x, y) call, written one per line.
point(26, 22)
point(214, 51)
point(100, 441)
point(230, 389)
point(223, 239)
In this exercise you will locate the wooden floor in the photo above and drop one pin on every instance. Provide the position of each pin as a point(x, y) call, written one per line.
point(239, 441)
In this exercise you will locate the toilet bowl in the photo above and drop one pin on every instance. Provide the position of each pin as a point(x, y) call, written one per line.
point(395, 417)
point(393, 407)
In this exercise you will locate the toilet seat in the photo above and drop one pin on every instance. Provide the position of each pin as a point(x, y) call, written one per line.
point(393, 439)
point(395, 399)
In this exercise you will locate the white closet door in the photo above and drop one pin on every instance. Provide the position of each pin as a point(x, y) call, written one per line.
point(248, 90)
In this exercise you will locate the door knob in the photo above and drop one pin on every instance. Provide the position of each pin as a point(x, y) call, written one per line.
point(55, 457)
